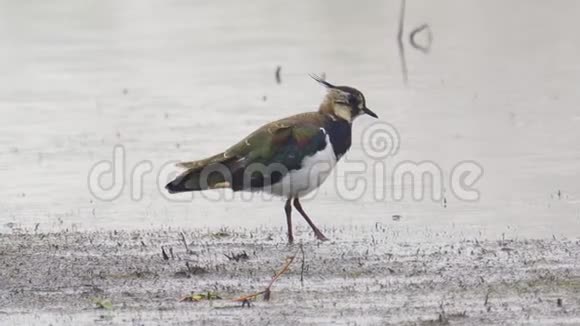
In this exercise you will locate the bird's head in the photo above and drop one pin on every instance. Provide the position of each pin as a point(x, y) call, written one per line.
point(343, 102)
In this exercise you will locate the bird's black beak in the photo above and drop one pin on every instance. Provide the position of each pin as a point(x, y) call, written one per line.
point(369, 112)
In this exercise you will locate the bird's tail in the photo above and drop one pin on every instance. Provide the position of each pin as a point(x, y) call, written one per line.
point(201, 175)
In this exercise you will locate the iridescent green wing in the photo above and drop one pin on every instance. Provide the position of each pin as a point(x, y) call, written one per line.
point(286, 144)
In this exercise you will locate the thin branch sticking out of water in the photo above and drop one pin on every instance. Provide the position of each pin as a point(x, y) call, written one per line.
point(185, 243)
point(302, 267)
point(423, 48)
point(278, 77)
point(400, 42)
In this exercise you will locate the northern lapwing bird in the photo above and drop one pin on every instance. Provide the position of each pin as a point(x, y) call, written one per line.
point(290, 157)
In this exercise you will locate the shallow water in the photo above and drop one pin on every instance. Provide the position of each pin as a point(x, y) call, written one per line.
point(182, 80)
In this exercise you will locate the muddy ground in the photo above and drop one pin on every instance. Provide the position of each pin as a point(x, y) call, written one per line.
point(123, 277)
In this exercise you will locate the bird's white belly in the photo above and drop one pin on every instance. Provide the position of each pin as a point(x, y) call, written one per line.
point(315, 169)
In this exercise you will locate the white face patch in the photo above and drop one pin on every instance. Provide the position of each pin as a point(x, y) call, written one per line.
point(346, 105)
point(343, 112)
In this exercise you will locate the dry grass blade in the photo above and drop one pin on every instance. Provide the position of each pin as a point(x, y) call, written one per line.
point(284, 269)
point(266, 292)
point(196, 297)
point(249, 297)
point(302, 266)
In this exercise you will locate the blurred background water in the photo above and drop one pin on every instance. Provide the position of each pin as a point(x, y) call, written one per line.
point(180, 80)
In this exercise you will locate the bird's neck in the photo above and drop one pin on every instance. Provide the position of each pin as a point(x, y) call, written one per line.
point(326, 107)
point(340, 134)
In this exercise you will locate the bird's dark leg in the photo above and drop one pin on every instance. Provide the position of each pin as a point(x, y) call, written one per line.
point(288, 210)
point(317, 232)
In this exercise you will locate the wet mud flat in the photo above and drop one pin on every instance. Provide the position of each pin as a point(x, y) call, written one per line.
point(139, 277)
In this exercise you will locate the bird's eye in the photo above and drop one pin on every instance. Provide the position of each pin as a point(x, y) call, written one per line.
point(352, 100)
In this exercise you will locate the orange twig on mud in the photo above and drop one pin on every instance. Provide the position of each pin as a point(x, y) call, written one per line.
point(246, 298)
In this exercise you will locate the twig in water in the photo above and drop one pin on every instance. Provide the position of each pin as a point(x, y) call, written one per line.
point(246, 298)
point(164, 254)
point(413, 41)
point(237, 257)
point(185, 243)
point(278, 77)
point(442, 315)
point(302, 267)
point(485, 302)
point(400, 42)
